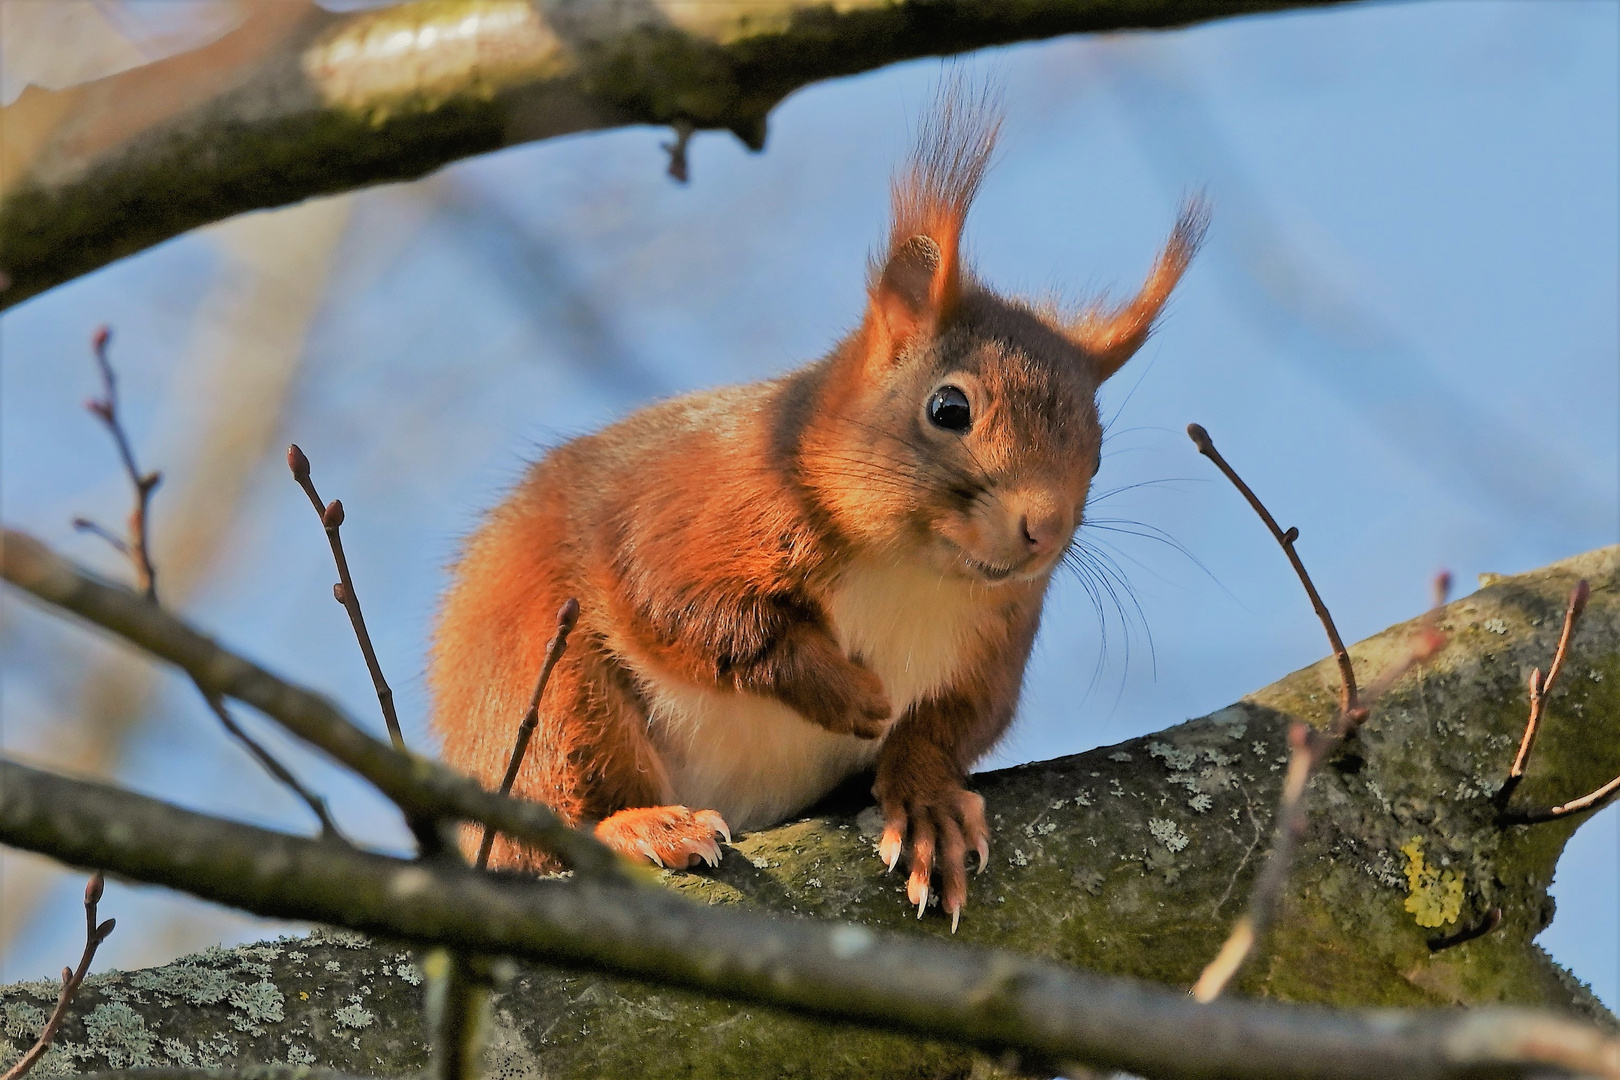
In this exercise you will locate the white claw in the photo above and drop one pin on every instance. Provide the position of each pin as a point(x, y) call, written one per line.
point(893, 859)
point(715, 822)
point(647, 850)
point(923, 902)
point(956, 917)
point(984, 855)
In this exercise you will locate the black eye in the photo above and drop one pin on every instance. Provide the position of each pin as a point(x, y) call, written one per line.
point(948, 408)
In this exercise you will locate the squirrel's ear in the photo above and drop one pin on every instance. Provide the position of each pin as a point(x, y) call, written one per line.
point(1111, 336)
point(916, 288)
point(919, 280)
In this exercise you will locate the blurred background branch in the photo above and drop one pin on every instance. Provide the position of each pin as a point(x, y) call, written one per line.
point(299, 101)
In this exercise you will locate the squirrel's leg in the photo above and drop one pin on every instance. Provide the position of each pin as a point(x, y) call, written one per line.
point(591, 760)
point(924, 762)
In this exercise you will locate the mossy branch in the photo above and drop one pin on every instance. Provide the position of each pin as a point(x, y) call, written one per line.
point(1127, 860)
point(300, 102)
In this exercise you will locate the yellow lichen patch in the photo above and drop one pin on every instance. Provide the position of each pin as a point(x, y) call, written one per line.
point(1433, 895)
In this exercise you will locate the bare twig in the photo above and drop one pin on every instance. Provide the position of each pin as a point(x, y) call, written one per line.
point(267, 761)
point(1595, 800)
point(1539, 689)
point(567, 615)
point(96, 529)
point(331, 515)
point(138, 547)
point(1349, 701)
point(94, 935)
point(676, 150)
point(963, 994)
point(137, 550)
point(422, 789)
point(1308, 748)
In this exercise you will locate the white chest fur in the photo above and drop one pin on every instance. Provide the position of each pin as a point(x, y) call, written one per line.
point(755, 760)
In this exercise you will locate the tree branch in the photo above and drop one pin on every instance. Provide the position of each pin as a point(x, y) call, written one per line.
point(994, 1000)
point(300, 102)
point(1128, 860)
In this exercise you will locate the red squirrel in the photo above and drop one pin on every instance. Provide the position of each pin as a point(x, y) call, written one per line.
point(786, 583)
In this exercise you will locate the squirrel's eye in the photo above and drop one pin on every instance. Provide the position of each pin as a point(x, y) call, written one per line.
point(948, 408)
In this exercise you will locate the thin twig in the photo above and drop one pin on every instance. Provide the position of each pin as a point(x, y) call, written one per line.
point(1540, 688)
point(96, 529)
point(1595, 800)
point(94, 935)
point(138, 547)
point(567, 615)
point(1308, 748)
point(267, 761)
point(1349, 702)
point(676, 150)
point(331, 515)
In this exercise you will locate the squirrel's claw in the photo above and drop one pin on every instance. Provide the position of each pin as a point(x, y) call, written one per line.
point(713, 820)
point(669, 836)
point(941, 831)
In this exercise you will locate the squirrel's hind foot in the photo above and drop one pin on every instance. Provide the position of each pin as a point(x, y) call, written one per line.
point(669, 836)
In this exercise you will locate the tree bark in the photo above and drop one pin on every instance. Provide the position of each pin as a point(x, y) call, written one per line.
point(300, 102)
point(1132, 859)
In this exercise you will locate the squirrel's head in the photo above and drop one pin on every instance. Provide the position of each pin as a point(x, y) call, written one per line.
point(957, 423)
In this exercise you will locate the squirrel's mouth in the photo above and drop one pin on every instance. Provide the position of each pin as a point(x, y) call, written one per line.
point(988, 571)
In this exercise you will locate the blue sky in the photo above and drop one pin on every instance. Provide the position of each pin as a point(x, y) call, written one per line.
point(1404, 331)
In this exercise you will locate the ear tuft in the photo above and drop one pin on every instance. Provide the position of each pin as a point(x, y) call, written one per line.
point(919, 280)
point(1111, 337)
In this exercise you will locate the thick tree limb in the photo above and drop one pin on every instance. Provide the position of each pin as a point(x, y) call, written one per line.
point(1127, 860)
point(300, 102)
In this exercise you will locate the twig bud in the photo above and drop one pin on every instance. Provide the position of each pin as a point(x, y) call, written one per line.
point(1442, 588)
point(340, 594)
point(333, 515)
point(101, 409)
point(105, 930)
point(567, 615)
point(101, 337)
point(1200, 438)
point(1578, 597)
point(298, 463)
point(1291, 535)
point(67, 976)
point(1535, 682)
point(93, 889)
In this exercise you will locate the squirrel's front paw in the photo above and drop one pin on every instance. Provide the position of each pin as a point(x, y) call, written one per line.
point(846, 697)
point(671, 836)
point(869, 707)
point(943, 824)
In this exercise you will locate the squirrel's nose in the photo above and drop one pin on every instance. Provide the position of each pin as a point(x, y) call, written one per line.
point(1042, 531)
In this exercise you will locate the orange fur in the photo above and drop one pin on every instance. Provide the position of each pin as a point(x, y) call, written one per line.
point(785, 583)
